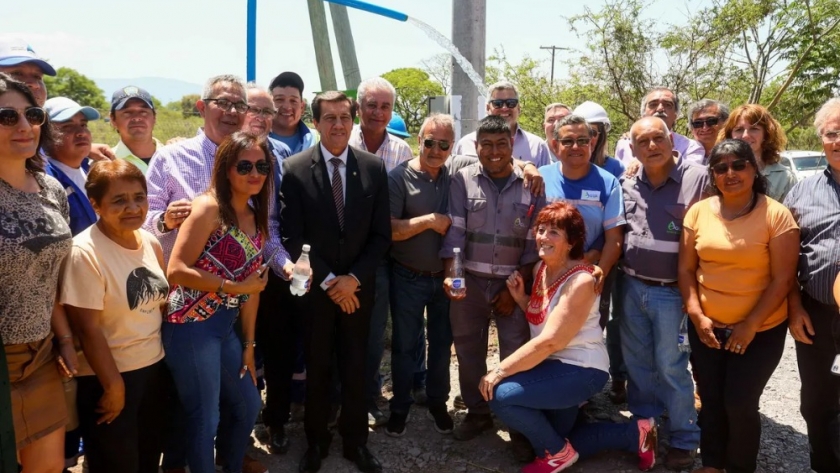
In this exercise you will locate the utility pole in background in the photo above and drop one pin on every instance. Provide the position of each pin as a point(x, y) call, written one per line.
point(553, 50)
point(321, 38)
point(346, 46)
point(469, 34)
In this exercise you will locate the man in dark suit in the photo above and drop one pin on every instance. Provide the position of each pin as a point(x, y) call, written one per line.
point(335, 199)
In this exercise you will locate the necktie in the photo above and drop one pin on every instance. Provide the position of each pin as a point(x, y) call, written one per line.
point(338, 191)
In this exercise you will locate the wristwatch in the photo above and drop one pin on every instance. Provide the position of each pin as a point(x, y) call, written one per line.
point(161, 224)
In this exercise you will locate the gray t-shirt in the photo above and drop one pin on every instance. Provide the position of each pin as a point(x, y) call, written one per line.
point(34, 240)
point(416, 193)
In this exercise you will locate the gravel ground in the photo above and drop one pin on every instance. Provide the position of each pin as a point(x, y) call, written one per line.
point(784, 444)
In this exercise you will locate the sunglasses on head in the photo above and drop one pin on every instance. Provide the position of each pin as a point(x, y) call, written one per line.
point(509, 103)
point(34, 115)
point(430, 143)
point(736, 165)
point(244, 167)
point(705, 122)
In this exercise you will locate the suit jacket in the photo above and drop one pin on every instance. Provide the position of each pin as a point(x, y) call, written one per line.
point(82, 214)
point(308, 215)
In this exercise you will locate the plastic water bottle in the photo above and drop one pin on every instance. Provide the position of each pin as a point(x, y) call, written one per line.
point(300, 275)
point(682, 339)
point(456, 273)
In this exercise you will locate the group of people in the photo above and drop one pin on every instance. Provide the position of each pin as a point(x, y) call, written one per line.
point(147, 289)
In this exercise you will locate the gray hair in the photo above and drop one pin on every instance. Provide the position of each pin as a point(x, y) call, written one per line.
point(664, 125)
point(554, 105)
point(374, 84)
point(439, 119)
point(213, 81)
point(501, 85)
point(828, 110)
point(253, 86)
point(703, 104)
point(571, 119)
point(659, 89)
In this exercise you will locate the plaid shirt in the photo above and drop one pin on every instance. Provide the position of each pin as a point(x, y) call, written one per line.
point(183, 171)
point(393, 150)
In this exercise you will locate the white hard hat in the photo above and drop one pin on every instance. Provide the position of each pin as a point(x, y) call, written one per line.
point(593, 113)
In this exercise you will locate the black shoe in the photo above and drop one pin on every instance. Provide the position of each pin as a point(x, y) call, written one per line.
point(311, 461)
point(521, 447)
point(364, 460)
point(278, 443)
point(443, 421)
point(472, 426)
point(396, 424)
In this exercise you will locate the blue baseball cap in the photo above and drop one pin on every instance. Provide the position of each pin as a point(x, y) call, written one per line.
point(397, 126)
point(17, 51)
point(61, 109)
point(122, 96)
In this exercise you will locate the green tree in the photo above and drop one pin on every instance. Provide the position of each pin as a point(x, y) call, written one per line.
point(74, 85)
point(188, 108)
point(414, 87)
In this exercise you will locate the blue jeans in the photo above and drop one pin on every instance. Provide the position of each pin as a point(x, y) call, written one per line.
point(658, 370)
point(205, 359)
point(542, 403)
point(411, 294)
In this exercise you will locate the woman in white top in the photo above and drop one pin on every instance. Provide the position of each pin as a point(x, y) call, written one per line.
point(537, 389)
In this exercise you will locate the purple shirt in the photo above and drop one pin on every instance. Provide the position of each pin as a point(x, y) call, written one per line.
point(690, 150)
point(183, 171)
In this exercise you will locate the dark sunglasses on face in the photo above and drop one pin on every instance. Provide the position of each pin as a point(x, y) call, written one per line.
point(705, 122)
point(509, 103)
point(568, 142)
point(34, 115)
point(244, 167)
point(430, 143)
point(737, 166)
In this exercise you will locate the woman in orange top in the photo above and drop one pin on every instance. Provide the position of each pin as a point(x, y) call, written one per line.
point(738, 260)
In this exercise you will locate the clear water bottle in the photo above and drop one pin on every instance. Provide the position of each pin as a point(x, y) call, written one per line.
point(682, 339)
point(456, 273)
point(300, 275)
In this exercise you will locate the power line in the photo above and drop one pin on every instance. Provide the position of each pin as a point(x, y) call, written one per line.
point(553, 50)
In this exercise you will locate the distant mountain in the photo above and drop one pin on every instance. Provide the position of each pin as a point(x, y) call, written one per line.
point(165, 90)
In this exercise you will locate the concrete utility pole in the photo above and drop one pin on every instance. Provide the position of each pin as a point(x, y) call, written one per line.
point(321, 38)
point(346, 46)
point(553, 50)
point(469, 34)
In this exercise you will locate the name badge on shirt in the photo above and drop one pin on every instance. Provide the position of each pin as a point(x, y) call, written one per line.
point(591, 195)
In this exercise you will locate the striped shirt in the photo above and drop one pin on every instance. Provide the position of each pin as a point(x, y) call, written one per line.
point(815, 204)
point(182, 171)
point(393, 150)
point(655, 219)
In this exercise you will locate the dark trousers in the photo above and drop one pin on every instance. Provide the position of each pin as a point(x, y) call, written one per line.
point(731, 386)
point(277, 331)
point(132, 442)
point(820, 394)
point(327, 328)
point(612, 293)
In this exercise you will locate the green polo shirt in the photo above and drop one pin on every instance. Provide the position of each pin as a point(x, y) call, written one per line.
point(121, 151)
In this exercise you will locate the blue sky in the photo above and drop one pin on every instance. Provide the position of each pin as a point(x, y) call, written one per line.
point(192, 40)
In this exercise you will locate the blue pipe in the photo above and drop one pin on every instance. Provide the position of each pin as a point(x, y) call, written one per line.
point(251, 42)
point(359, 5)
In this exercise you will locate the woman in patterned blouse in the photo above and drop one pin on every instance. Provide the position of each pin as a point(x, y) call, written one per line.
point(216, 272)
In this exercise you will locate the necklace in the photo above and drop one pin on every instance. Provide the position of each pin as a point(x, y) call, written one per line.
point(740, 212)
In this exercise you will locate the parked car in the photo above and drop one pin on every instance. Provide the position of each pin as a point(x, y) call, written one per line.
point(804, 163)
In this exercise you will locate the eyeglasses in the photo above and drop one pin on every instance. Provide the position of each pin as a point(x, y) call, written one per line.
point(243, 168)
point(568, 142)
point(831, 136)
point(226, 105)
point(705, 122)
point(736, 165)
point(263, 112)
point(509, 103)
point(34, 115)
point(430, 143)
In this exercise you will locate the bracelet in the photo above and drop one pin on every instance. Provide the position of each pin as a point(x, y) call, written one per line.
point(222, 286)
point(249, 343)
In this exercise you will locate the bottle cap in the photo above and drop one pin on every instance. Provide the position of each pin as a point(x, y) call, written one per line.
point(306, 248)
point(456, 250)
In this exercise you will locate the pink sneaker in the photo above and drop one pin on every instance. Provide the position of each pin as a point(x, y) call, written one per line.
point(647, 443)
point(553, 463)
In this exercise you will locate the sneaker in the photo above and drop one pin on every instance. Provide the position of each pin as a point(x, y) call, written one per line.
point(679, 459)
point(647, 443)
point(442, 419)
point(252, 465)
point(420, 397)
point(553, 463)
point(458, 403)
point(376, 417)
point(396, 424)
point(472, 426)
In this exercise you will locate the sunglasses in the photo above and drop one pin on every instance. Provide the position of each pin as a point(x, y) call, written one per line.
point(509, 103)
point(705, 122)
point(430, 143)
point(245, 167)
point(34, 115)
point(568, 142)
point(737, 166)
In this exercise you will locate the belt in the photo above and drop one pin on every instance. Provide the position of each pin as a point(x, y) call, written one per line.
point(430, 274)
point(651, 282)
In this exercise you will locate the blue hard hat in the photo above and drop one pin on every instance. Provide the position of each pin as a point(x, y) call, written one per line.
point(397, 126)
